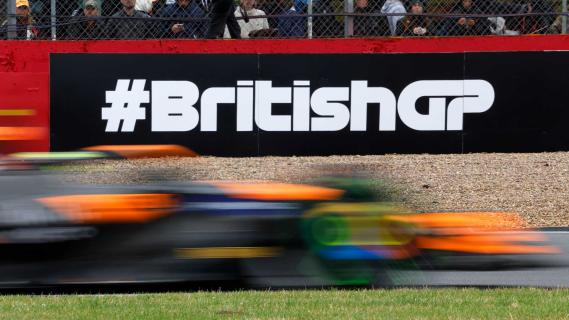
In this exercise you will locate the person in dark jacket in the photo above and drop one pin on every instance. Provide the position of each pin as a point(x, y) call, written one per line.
point(128, 23)
point(186, 28)
point(416, 24)
point(87, 24)
point(469, 25)
point(369, 25)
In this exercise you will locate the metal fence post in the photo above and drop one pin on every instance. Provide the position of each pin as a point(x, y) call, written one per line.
point(53, 21)
point(309, 20)
point(564, 17)
point(348, 20)
point(11, 21)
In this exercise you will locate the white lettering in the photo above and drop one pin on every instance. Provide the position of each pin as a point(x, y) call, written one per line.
point(265, 96)
point(301, 106)
point(335, 115)
point(361, 96)
point(173, 106)
point(211, 97)
point(326, 109)
point(478, 98)
point(245, 106)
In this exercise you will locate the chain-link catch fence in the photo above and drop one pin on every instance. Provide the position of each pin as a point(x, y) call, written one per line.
point(190, 19)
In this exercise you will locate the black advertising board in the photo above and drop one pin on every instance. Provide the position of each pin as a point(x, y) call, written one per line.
point(530, 111)
point(312, 104)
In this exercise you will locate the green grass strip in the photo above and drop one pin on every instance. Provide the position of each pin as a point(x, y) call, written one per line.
point(525, 303)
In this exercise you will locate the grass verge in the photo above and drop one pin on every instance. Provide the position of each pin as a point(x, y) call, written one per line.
point(523, 303)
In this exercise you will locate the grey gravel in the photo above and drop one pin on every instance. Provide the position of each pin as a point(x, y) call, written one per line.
point(532, 184)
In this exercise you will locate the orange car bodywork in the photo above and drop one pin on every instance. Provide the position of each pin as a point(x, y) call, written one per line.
point(475, 232)
point(277, 191)
point(111, 208)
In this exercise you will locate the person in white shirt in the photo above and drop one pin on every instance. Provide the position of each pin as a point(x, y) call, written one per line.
point(247, 10)
point(393, 6)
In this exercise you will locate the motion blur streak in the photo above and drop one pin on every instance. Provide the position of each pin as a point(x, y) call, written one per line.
point(112, 208)
point(145, 151)
point(227, 252)
point(475, 232)
point(336, 231)
point(484, 244)
point(17, 112)
point(57, 156)
point(22, 133)
point(278, 191)
point(490, 220)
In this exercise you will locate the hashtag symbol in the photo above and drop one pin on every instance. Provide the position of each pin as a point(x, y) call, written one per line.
point(125, 105)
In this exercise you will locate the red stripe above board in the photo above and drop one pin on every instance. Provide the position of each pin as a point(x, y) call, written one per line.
point(32, 56)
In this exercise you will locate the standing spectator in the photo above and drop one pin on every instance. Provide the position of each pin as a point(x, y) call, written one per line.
point(25, 25)
point(469, 25)
point(222, 13)
point(369, 25)
point(186, 9)
point(396, 8)
point(128, 23)
point(291, 23)
point(87, 23)
point(249, 24)
point(416, 24)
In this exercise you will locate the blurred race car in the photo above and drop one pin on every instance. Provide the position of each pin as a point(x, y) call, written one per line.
point(336, 232)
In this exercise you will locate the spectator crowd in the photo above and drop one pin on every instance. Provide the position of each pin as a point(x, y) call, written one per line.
point(189, 19)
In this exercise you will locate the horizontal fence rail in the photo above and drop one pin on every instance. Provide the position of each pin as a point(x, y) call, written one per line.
point(190, 19)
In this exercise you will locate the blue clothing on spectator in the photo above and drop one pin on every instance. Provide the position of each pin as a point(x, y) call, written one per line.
point(192, 29)
point(291, 24)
